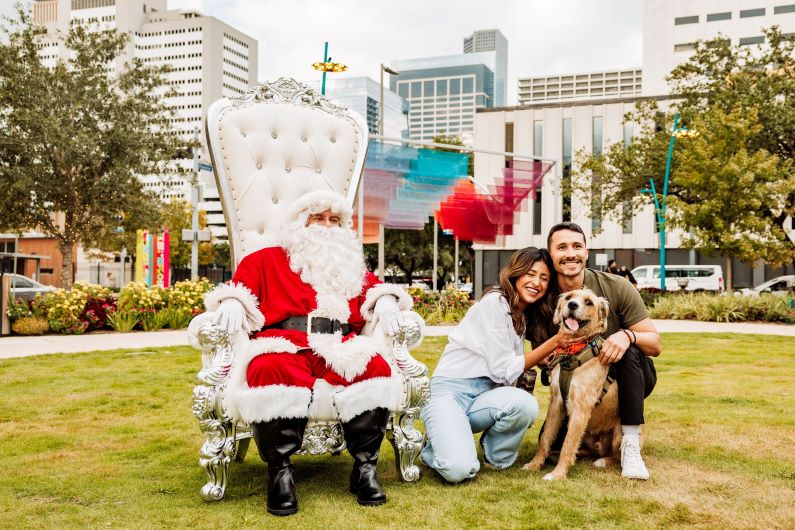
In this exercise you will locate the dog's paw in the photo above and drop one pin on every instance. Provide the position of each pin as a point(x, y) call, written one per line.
point(533, 465)
point(553, 476)
point(602, 462)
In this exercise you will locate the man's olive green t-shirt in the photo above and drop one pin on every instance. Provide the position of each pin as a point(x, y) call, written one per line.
point(626, 305)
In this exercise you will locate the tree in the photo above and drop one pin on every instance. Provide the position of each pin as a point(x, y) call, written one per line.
point(74, 139)
point(742, 107)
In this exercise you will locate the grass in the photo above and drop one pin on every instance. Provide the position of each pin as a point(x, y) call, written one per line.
point(107, 439)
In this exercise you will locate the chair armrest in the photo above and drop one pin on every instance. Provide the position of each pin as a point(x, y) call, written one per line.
point(216, 347)
point(411, 333)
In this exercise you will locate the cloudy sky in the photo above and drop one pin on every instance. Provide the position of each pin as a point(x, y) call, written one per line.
point(544, 36)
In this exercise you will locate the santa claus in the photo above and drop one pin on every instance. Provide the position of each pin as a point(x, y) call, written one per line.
point(304, 303)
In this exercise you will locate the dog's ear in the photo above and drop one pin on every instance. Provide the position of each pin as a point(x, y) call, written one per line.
point(604, 311)
point(556, 319)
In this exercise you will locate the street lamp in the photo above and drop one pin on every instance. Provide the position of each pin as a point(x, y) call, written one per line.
point(381, 132)
point(327, 66)
point(660, 206)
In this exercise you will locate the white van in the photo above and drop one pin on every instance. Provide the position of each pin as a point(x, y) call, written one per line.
point(691, 278)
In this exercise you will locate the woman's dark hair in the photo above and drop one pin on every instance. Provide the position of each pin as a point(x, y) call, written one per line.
point(520, 264)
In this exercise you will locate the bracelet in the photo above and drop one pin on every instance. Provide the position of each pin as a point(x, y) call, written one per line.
point(635, 337)
point(627, 333)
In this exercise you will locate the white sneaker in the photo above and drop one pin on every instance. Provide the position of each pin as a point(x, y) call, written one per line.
point(632, 465)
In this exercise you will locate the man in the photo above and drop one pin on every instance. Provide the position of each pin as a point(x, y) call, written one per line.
point(305, 302)
point(612, 267)
point(629, 340)
point(626, 273)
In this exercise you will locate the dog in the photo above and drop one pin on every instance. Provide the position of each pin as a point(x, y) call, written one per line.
point(592, 403)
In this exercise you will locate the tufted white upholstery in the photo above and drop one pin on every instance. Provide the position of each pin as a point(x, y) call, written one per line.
point(272, 145)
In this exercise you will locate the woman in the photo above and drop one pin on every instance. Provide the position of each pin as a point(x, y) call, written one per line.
point(471, 389)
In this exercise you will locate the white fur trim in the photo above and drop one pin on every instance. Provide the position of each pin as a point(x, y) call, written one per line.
point(265, 403)
point(348, 358)
point(385, 392)
point(322, 406)
point(404, 300)
point(242, 294)
point(244, 354)
point(332, 305)
point(320, 201)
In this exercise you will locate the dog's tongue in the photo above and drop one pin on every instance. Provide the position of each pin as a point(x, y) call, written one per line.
point(572, 324)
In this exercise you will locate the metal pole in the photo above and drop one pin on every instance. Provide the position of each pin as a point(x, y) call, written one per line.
point(123, 275)
point(456, 261)
point(380, 225)
point(663, 202)
point(325, 60)
point(194, 198)
point(662, 234)
point(435, 250)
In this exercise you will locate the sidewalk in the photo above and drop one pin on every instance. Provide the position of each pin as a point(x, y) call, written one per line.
point(18, 346)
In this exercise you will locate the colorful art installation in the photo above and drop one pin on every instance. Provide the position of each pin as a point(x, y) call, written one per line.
point(403, 186)
point(152, 264)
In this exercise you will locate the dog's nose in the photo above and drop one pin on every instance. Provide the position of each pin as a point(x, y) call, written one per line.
point(573, 305)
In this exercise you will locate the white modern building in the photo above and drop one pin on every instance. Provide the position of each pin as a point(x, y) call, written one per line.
point(559, 116)
point(363, 95)
point(443, 92)
point(209, 60)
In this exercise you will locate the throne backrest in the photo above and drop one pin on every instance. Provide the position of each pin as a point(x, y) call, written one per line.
point(273, 144)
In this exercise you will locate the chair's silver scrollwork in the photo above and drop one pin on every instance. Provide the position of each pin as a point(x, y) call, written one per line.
point(286, 90)
point(406, 440)
point(322, 437)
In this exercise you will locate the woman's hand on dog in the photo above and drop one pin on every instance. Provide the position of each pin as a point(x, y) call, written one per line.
point(613, 348)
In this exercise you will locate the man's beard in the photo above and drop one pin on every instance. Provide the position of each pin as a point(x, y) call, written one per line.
point(331, 260)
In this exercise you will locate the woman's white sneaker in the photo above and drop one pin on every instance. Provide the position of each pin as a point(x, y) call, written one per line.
point(632, 465)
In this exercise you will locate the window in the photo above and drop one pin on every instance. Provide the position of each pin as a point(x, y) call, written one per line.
point(403, 90)
point(538, 147)
point(567, 165)
point(746, 41)
point(416, 88)
point(596, 137)
point(455, 87)
point(748, 13)
point(779, 10)
point(441, 87)
point(713, 17)
point(467, 85)
point(427, 89)
point(679, 21)
point(685, 47)
point(629, 132)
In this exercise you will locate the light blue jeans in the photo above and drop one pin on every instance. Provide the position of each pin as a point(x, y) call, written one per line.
point(460, 407)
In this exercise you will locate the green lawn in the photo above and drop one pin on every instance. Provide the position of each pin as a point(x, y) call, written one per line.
point(107, 439)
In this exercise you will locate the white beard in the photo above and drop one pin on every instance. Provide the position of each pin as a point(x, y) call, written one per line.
point(331, 260)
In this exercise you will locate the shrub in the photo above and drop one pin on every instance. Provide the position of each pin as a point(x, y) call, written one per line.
point(123, 321)
point(92, 290)
point(445, 307)
point(30, 325)
point(176, 318)
point(723, 308)
point(96, 312)
point(62, 309)
point(152, 319)
point(188, 294)
point(18, 308)
point(139, 296)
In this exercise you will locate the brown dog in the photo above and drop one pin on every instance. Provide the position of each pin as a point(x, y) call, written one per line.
point(594, 427)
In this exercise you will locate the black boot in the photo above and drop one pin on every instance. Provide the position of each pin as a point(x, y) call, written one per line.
point(363, 436)
point(276, 441)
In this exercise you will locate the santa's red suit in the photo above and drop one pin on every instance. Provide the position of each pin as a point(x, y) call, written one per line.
point(277, 374)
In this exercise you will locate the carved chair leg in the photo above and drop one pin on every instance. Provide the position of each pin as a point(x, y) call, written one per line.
point(214, 458)
point(242, 449)
point(407, 442)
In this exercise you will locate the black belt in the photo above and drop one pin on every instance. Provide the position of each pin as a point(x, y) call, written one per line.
point(319, 325)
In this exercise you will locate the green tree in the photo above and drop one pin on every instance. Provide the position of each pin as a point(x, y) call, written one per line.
point(74, 139)
point(742, 107)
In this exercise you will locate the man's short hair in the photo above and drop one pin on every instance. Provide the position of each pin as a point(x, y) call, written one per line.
point(574, 227)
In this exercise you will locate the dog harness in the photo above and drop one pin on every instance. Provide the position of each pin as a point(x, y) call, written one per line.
point(572, 357)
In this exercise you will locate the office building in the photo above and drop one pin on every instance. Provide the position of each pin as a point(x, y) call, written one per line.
point(443, 92)
point(559, 116)
point(495, 45)
point(363, 95)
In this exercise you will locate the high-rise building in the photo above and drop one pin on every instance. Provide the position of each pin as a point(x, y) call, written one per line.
point(363, 95)
point(209, 60)
point(560, 116)
point(494, 43)
point(443, 92)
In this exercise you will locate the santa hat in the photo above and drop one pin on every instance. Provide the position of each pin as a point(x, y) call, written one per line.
point(320, 201)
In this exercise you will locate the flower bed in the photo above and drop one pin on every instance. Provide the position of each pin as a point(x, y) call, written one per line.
point(89, 307)
point(724, 307)
point(445, 307)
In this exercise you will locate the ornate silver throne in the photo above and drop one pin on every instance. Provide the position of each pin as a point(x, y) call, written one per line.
point(268, 147)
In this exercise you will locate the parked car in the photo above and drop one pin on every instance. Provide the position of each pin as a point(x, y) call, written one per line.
point(25, 288)
point(781, 286)
point(691, 278)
